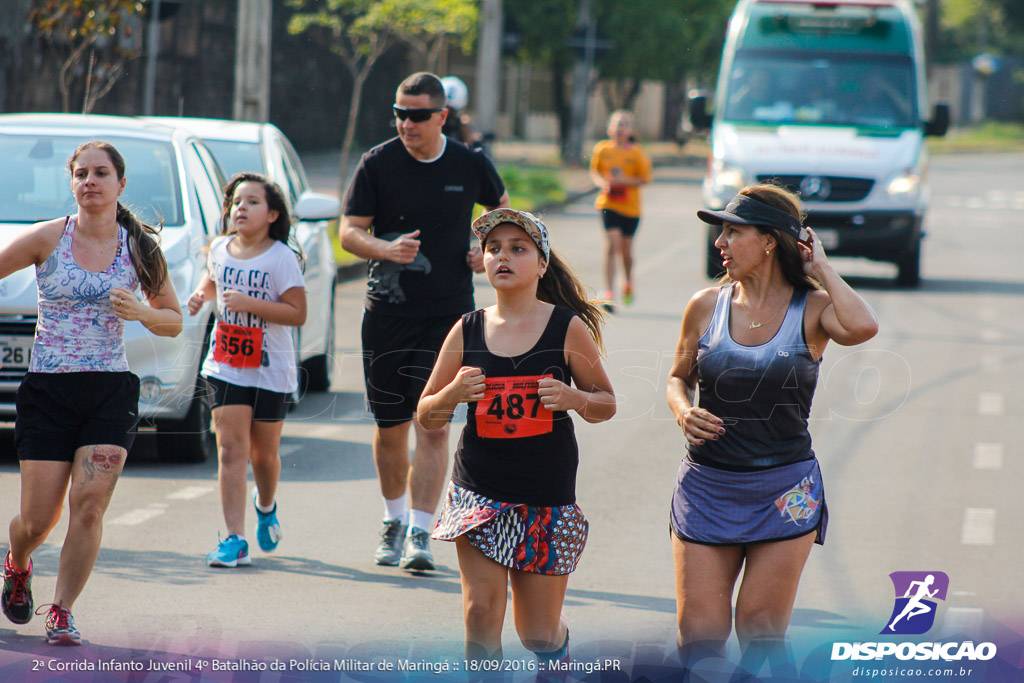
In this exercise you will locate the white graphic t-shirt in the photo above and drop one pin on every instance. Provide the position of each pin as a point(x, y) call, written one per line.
point(245, 349)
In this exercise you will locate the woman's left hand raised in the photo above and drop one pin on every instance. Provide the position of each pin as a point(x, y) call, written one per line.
point(556, 395)
point(813, 254)
point(126, 306)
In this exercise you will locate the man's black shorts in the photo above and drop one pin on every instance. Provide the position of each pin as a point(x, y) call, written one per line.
point(60, 412)
point(616, 221)
point(398, 356)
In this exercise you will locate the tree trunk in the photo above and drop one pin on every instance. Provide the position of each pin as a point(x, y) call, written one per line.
point(672, 113)
point(561, 106)
point(350, 126)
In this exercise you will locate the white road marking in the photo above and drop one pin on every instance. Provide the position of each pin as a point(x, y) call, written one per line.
point(991, 404)
point(190, 493)
point(140, 515)
point(991, 361)
point(988, 456)
point(988, 312)
point(979, 526)
point(990, 334)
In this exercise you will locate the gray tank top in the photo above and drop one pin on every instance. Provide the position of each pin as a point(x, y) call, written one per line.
point(762, 393)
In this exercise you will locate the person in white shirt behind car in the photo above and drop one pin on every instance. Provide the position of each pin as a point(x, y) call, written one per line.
point(78, 404)
point(250, 367)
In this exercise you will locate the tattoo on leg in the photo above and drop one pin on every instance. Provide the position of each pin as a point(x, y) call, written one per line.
point(103, 460)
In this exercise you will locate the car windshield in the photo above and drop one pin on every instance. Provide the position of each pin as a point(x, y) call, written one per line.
point(842, 90)
point(237, 157)
point(35, 183)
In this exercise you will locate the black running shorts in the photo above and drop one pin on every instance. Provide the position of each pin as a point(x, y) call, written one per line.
point(267, 406)
point(60, 412)
point(398, 356)
point(616, 221)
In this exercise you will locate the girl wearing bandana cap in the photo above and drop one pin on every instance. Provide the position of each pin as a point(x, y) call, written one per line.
point(749, 494)
point(520, 366)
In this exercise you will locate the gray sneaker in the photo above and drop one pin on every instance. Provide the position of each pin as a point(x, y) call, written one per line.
point(390, 547)
point(416, 555)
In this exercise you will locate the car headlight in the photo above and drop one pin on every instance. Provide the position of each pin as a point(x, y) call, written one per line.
point(725, 179)
point(904, 185)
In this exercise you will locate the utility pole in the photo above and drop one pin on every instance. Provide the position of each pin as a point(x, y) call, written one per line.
point(252, 61)
point(573, 152)
point(931, 35)
point(488, 70)
point(153, 51)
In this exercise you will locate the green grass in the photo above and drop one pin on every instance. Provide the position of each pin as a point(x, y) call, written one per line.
point(991, 136)
point(531, 187)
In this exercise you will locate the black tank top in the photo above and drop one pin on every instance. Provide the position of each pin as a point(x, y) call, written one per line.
point(513, 449)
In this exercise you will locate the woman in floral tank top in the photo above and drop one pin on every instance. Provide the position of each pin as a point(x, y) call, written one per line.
point(78, 404)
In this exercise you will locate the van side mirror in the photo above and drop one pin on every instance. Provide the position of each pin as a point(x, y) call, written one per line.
point(699, 117)
point(939, 123)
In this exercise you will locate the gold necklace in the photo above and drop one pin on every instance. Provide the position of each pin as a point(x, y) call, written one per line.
point(754, 325)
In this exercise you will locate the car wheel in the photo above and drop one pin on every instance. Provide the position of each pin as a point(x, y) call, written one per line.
point(713, 266)
point(192, 438)
point(317, 371)
point(909, 267)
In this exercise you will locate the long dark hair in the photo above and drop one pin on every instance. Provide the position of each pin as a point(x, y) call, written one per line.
point(562, 287)
point(281, 228)
point(787, 249)
point(143, 243)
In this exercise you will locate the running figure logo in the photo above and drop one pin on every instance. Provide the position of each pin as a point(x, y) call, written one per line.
point(916, 596)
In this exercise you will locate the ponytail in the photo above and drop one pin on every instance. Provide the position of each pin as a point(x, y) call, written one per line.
point(144, 249)
point(560, 286)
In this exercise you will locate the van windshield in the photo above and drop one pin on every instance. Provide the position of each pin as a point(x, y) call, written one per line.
point(827, 89)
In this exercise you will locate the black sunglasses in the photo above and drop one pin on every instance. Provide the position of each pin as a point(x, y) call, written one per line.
point(416, 115)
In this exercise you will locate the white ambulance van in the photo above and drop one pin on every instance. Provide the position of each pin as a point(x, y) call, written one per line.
point(827, 97)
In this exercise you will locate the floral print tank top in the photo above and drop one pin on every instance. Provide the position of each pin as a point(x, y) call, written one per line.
point(77, 330)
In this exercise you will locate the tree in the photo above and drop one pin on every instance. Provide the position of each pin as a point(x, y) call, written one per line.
point(660, 40)
point(359, 32)
point(77, 28)
point(543, 29)
point(428, 27)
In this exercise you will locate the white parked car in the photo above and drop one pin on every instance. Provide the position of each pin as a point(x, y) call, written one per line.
point(260, 147)
point(173, 179)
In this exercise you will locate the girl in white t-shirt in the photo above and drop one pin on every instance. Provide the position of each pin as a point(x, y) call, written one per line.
point(250, 367)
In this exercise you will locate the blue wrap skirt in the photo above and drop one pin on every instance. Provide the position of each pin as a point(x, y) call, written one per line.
point(720, 507)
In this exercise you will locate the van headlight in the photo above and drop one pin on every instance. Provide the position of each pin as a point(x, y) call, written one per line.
point(904, 185)
point(725, 179)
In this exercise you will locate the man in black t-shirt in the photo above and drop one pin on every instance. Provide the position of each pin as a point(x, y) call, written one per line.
point(408, 211)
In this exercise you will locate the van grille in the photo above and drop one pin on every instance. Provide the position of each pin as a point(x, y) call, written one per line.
point(842, 189)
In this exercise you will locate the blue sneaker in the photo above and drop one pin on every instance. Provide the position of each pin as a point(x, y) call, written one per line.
point(230, 552)
point(268, 529)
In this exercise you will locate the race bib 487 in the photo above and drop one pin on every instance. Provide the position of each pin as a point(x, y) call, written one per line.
point(511, 409)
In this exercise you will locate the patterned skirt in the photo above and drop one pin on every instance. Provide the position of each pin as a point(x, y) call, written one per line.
point(541, 540)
